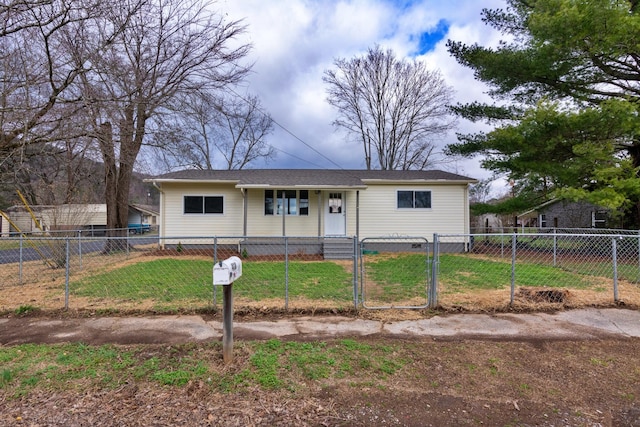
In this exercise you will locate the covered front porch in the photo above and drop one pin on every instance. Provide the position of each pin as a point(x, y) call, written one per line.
point(297, 211)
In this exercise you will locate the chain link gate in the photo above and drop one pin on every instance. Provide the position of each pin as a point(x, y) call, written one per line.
point(395, 272)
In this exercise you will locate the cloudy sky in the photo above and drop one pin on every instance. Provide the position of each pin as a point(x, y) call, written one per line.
point(295, 41)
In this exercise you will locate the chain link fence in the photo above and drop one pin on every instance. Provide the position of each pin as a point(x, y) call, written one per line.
point(149, 273)
point(395, 272)
point(492, 271)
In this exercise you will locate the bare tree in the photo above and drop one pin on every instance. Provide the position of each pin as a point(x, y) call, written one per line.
point(212, 132)
point(38, 65)
point(169, 48)
point(480, 192)
point(393, 107)
point(51, 174)
point(43, 52)
point(183, 139)
point(243, 128)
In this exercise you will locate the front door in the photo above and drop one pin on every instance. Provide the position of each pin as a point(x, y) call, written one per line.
point(335, 215)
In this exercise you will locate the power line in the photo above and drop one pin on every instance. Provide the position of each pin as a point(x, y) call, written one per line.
point(287, 131)
point(296, 157)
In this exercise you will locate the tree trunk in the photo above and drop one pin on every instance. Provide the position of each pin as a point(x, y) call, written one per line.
point(105, 139)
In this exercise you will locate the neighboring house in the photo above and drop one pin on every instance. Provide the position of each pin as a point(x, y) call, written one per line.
point(565, 214)
point(487, 223)
point(142, 218)
point(56, 218)
point(91, 217)
point(327, 203)
point(4, 226)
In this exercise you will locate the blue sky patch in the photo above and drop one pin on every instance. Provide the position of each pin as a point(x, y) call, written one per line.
point(429, 39)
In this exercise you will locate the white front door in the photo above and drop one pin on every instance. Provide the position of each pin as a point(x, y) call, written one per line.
point(335, 215)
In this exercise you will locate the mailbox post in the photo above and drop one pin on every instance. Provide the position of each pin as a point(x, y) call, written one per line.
point(224, 274)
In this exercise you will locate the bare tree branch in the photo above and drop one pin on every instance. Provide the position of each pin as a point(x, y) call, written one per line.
point(394, 107)
point(168, 49)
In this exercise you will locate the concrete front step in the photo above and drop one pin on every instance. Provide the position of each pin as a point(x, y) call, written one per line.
point(338, 249)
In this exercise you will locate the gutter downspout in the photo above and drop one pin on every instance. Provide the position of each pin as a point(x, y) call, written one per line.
point(467, 216)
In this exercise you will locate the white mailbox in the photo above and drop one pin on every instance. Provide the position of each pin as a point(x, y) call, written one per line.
point(227, 271)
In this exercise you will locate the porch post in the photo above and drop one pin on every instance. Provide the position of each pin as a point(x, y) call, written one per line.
point(358, 216)
point(246, 210)
point(320, 208)
point(283, 214)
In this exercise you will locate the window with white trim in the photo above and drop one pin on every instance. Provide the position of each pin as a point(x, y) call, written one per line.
point(292, 202)
point(203, 205)
point(543, 220)
point(413, 199)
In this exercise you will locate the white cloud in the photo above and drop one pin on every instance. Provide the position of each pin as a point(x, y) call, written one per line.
point(295, 41)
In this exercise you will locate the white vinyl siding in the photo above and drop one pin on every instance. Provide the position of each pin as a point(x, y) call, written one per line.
point(380, 216)
point(177, 223)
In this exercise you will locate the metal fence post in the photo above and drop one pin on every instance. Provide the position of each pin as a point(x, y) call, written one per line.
point(66, 278)
point(286, 274)
point(215, 258)
point(433, 289)
point(614, 256)
point(638, 238)
point(555, 247)
point(361, 270)
point(355, 273)
point(80, 248)
point(20, 263)
point(514, 240)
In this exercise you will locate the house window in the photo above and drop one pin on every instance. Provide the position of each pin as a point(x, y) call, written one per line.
point(292, 202)
point(335, 202)
point(598, 219)
point(203, 204)
point(543, 221)
point(304, 202)
point(414, 199)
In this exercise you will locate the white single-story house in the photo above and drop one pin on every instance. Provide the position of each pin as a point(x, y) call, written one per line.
point(312, 202)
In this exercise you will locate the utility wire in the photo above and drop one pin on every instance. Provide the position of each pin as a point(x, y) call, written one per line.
point(289, 132)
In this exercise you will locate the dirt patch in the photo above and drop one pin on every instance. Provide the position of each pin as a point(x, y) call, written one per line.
point(544, 295)
point(440, 383)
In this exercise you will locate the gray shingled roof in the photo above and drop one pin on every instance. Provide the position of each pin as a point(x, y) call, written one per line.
point(308, 177)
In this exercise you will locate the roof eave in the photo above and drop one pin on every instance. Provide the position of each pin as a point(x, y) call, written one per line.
point(419, 181)
point(302, 186)
point(191, 181)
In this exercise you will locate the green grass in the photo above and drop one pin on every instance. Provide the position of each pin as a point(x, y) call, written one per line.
point(406, 275)
point(269, 364)
point(171, 280)
point(396, 279)
point(460, 272)
point(6, 244)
